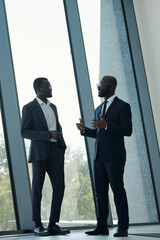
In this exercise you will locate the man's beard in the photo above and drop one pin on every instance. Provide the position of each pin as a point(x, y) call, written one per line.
point(104, 93)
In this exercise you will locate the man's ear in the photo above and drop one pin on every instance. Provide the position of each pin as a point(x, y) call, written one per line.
point(112, 88)
point(38, 90)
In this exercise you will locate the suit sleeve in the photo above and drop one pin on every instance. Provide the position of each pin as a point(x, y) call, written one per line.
point(124, 128)
point(89, 132)
point(27, 130)
point(61, 142)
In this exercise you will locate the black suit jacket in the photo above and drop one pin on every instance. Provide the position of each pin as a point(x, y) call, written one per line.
point(110, 143)
point(34, 127)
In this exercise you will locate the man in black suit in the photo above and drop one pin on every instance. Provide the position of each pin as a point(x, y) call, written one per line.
point(40, 124)
point(111, 123)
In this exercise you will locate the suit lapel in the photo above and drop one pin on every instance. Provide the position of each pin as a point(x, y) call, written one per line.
point(39, 112)
point(54, 110)
point(111, 106)
point(98, 111)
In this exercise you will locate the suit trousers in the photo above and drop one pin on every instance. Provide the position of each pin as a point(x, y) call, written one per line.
point(54, 166)
point(110, 172)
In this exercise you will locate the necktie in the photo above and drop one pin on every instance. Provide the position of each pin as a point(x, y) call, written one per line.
point(104, 108)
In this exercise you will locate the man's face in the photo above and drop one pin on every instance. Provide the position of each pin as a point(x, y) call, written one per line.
point(45, 91)
point(104, 88)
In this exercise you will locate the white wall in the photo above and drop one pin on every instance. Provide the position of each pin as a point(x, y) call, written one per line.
point(148, 20)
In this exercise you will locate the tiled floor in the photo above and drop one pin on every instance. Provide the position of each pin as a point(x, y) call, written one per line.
point(80, 235)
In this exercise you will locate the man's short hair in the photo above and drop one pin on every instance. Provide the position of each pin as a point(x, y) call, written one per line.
point(38, 83)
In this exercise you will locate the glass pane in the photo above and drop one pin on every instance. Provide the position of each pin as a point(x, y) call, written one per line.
point(7, 215)
point(106, 39)
point(40, 47)
point(147, 12)
point(90, 22)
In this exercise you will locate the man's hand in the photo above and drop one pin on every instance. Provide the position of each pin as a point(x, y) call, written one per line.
point(102, 123)
point(80, 125)
point(56, 135)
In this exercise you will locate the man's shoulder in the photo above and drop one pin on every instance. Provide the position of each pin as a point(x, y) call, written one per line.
point(52, 104)
point(30, 104)
point(121, 102)
point(99, 107)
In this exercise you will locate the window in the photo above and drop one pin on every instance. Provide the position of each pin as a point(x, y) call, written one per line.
point(40, 47)
point(7, 215)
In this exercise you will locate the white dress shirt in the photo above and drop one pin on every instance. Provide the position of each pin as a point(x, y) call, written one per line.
point(49, 116)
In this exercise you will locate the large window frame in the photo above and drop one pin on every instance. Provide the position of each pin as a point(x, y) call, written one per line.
point(11, 121)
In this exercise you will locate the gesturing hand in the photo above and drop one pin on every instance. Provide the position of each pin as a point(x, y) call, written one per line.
point(101, 123)
point(80, 125)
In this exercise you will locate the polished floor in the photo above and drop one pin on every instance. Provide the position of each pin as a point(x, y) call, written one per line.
point(149, 232)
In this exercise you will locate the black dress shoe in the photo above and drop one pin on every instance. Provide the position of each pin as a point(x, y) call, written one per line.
point(40, 231)
point(99, 231)
point(121, 233)
point(56, 230)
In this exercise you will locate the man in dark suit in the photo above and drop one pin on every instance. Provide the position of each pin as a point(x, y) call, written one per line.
point(111, 123)
point(40, 124)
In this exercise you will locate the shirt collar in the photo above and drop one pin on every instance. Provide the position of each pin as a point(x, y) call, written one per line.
point(111, 98)
point(41, 102)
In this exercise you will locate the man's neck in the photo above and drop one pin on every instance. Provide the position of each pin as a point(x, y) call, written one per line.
point(43, 99)
point(109, 96)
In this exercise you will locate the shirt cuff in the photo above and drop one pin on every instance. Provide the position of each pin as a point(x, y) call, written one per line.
point(83, 131)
